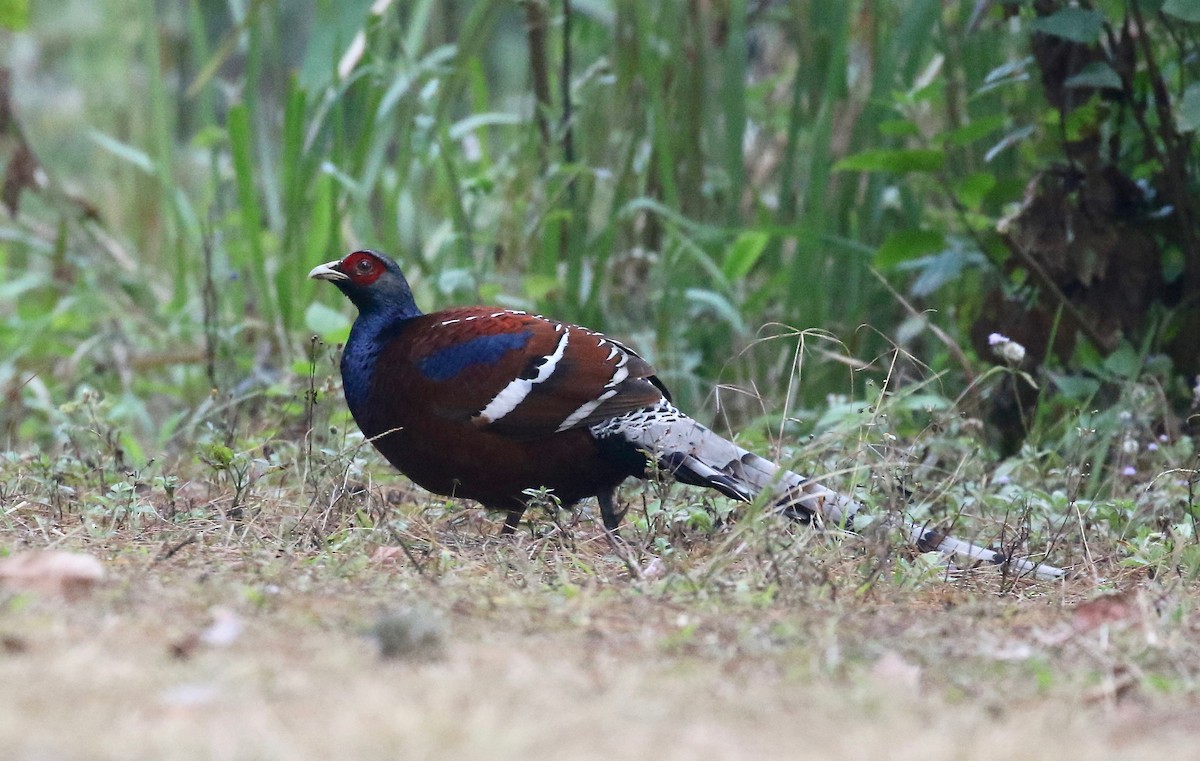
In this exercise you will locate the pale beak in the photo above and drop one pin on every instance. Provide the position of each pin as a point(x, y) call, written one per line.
point(328, 271)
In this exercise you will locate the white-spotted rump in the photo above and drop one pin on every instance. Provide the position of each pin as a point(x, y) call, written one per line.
point(695, 455)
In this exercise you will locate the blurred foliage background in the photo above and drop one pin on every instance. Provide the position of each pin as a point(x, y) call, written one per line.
point(710, 180)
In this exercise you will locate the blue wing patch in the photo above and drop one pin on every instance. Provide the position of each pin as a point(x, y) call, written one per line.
point(444, 364)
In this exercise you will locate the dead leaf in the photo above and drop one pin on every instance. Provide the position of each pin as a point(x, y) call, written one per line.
point(1105, 610)
point(70, 574)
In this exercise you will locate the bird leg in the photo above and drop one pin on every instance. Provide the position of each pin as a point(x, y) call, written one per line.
point(512, 520)
point(608, 509)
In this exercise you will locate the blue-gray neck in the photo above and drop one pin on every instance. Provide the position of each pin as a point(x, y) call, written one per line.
point(370, 334)
point(385, 306)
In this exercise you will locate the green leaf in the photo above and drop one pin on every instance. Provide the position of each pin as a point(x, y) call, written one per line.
point(1075, 24)
point(1077, 387)
point(1187, 115)
point(1123, 363)
point(973, 189)
point(894, 161)
point(848, 414)
point(938, 269)
point(331, 325)
point(744, 253)
point(1081, 122)
point(133, 448)
point(466, 126)
point(1012, 71)
point(1009, 140)
point(969, 133)
point(218, 456)
point(336, 25)
point(123, 151)
point(703, 301)
point(898, 128)
point(538, 287)
point(922, 402)
point(241, 148)
point(1095, 74)
point(10, 290)
point(903, 245)
point(14, 14)
point(1186, 10)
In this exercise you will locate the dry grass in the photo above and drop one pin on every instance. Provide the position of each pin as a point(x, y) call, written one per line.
point(549, 646)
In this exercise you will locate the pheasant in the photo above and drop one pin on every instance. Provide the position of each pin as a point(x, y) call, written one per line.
point(488, 404)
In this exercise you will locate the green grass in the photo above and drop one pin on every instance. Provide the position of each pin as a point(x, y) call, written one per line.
point(641, 214)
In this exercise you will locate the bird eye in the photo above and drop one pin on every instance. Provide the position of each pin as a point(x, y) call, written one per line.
point(364, 266)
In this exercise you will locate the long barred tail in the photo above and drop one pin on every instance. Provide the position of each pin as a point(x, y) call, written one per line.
point(695, 455)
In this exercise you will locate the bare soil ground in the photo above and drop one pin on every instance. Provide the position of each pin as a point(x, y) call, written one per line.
point(463, 645)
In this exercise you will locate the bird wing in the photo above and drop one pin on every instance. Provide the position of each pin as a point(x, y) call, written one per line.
point(525, 376)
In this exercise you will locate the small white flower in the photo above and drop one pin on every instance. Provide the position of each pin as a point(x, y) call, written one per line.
point(1013, 352)
point(1129, 446)
point(1006, 349)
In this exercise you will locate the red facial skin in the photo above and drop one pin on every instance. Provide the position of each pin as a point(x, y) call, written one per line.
point(361, 267)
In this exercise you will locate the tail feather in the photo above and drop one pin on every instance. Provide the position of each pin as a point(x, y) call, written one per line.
point(695, 455)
